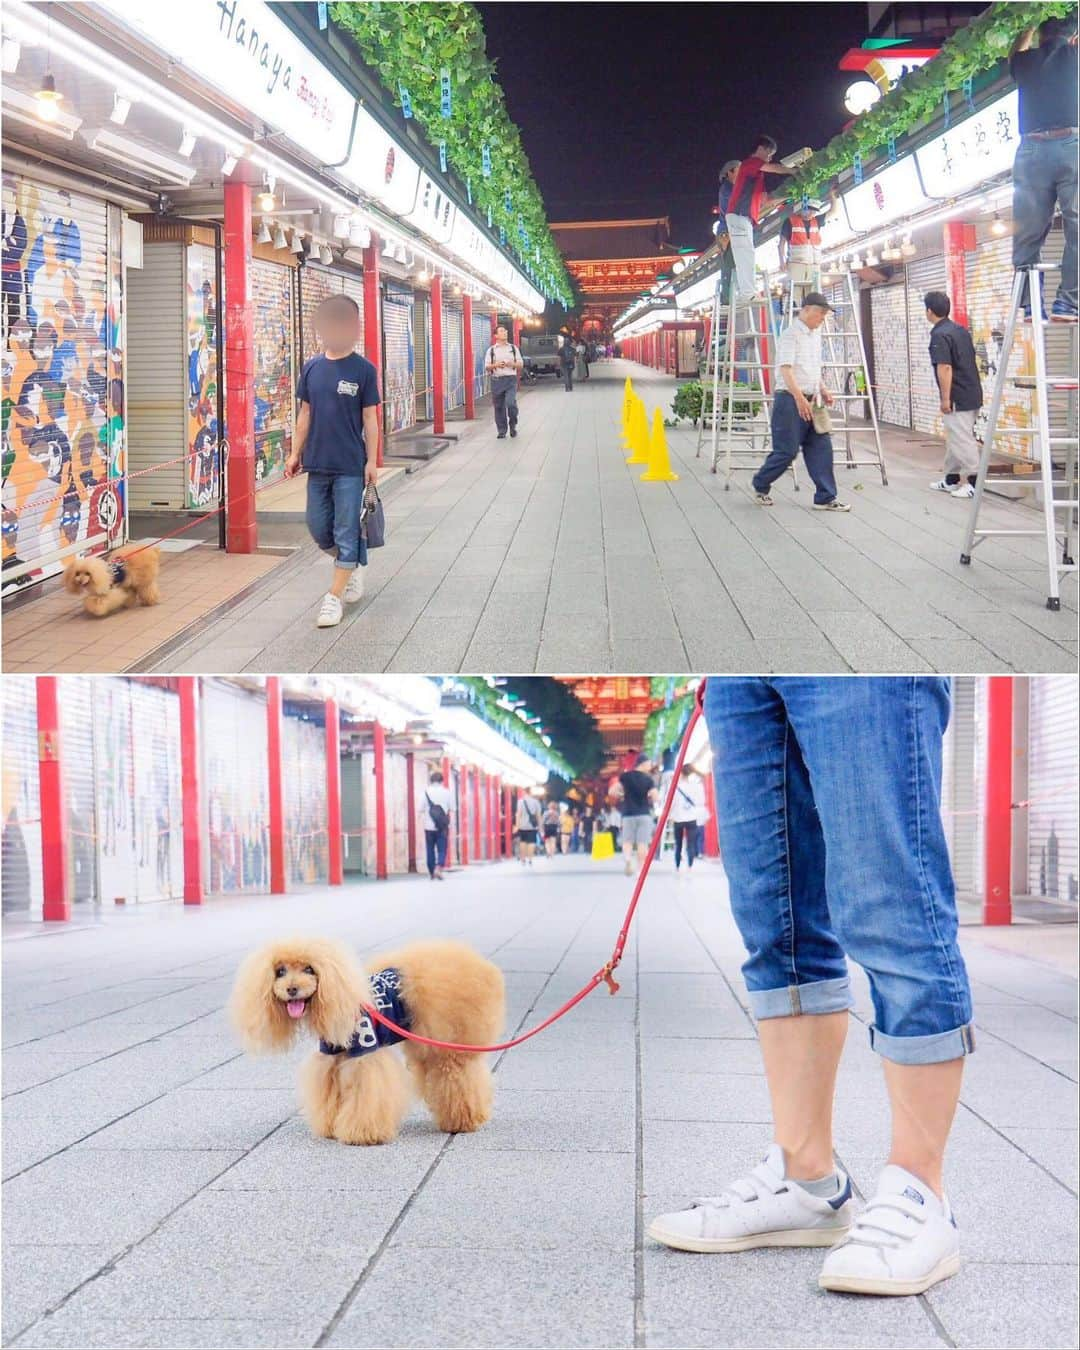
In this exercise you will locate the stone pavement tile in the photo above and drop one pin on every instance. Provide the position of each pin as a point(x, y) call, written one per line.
point(1040, 1033)
point(215, 659)
point(1016, 1307)
point(1020, 645)
point(68, 1328)
point(1055, 1149)
point(685, 1158)
point(693, 1055)
point(27, 1065)
point(868, 644)
point(37, 1277)
point(716, 652)
point(543, 1071)
point(571, 1202)
point(229, 1118)
point(577, 646)
point(739, 1098)
point(646, 655)
point(450, 1299)
point(432, 645)
point(556, 1121)
point(1003, 1085)
point(958, 656)
point(512, 658)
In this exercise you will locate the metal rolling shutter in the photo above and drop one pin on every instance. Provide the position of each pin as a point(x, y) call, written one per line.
point(236, 801)
point(304, 771)
point(453, 373)
point(202, 436)
point(1053, 729)
point(397, 803)
point(272, 290)
point(159, 832)
point(964, 780)
point(77, 748)
point(157, 376)
point(399, 395)
point(60, 447)
point(20, 853)
point(889, 314)
point(481, 328)
point(316, 284)
point(925, 274)
point(422, 349)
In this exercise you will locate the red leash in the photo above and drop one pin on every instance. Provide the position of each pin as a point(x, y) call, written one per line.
point(606, 974)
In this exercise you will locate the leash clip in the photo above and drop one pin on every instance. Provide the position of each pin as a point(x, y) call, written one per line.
point(607, 975)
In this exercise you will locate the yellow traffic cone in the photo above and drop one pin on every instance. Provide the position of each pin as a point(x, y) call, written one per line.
point(603, 845)
point(659, 470)
point(638, 440)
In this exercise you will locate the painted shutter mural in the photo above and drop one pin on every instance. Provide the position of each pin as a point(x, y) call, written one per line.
point(236, 801)
point(21, 847)
point(397, 841)
point(399, 395)
point(203, 433)
point(63, 410)
point(889, 318)
point(1053, 849)
point(453, 374)
point(317, 283)
point(304, 772)
point(272, 288)
point(481, 341)
point(422, 347)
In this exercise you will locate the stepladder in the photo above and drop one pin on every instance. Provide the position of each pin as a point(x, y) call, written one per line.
point(1053, 457)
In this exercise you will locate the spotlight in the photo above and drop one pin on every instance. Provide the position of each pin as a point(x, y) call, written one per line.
point(48, 100)
point(359, 234)
point(399, 253)
point(872, 259)
point(187, 144)
point(325, 256)
point(297, 243)
point(263, 237)
point(265, 201)
point(388, 249)
point(907, 248)
point(998, 226)
point(228, 163)
point(341, 226)
point(121, 106)
point(279, 238)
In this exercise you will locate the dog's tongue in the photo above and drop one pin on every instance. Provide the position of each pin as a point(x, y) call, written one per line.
point(296, 1007)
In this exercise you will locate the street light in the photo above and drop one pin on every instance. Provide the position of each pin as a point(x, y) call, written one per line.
point(861, 96)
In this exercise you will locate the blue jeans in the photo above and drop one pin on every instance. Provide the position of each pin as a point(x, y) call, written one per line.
point(333, 516)
point(1044, 172)
point(790, 434)
point(829, 810)
point(436, 841)
point(504, 401)
point(686, 833)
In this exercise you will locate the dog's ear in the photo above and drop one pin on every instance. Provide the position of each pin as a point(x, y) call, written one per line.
point(343, 986)
point(258, 1018)
point(70, 565)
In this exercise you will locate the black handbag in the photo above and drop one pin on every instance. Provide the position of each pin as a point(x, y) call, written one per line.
point(373, 518)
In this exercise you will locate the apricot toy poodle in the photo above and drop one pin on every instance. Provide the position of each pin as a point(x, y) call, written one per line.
point(127, 577)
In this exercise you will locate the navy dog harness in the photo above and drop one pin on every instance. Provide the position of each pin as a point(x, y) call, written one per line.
point(117, 572)
point(369, 1034)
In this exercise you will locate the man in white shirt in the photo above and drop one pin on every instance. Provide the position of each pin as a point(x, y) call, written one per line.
point(527, 823)
point(504, 364)
point(687, 813)
point(435, 817)
point(798, 371)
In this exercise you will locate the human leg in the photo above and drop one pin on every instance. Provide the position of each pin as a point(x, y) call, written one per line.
point(512, 404)
point(430, 837)
point(817, 448)
point(348, 496)
point(1034, 195)
point(741, 236)
point(961, 447)
point(442, 848)
point(1066, 186)
point(786, 438)
point(498, 403)
point(680, 835)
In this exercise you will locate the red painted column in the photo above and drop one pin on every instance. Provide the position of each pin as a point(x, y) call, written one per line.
point(438, 374)
point(56, 869)
point(380, 800)
point(410, 792)
point(335, 853)
point(766, 374)
point(959, 239)
point(508, 822)
point(712, 832)
point(997, 845)
point(468, 356)
point(277, 784)
point(475, 807)
point(463, 797)
point(517, 333)
point(241, 532)
point(190, 767)
point(373, 318)
point(448, 781)
point(493, 817)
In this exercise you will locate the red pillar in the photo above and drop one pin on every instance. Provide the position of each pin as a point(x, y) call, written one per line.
point(493, 816)
point(508, 822)
point(56, 871)
point(410, 792)
point(241, 532)
point(475, 808)
point(448, 781)
point(277, 782)
point(997, 844)
point(336, 861)
point(438, 374)
point(712, 833)
point(190, 764)
point(380, 801)
point(468, 356)
point(766, 374)
point(463, 798)
point(959, 239)
point(373, 319)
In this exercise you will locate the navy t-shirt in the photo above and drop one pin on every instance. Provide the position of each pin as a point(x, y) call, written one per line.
point(337, 392)
point(1047, 79)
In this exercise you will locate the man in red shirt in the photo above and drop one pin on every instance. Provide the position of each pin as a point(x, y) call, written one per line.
point(748, 203)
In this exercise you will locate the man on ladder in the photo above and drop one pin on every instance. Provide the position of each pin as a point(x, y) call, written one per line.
point(800, 250)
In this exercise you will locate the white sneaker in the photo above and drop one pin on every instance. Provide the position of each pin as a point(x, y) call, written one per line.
point(964, 490)
point(354, 587)
point(330, 612)
point(764, 1209)
point(942, 485)
point(904, 1241)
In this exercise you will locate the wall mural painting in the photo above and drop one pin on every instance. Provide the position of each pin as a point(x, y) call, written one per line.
point(274, 375)
point(203, 433)
point(63, 387)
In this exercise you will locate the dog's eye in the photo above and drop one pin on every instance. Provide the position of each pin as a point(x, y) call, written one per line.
point(279, 974)
point(308, 970)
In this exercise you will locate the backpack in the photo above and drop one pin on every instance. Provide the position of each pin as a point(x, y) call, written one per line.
point(439, 816)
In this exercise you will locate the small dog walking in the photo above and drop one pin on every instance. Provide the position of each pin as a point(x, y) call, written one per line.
point(349, 1089)
point(127, 577)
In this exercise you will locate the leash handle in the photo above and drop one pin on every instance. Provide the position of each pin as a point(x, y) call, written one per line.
point(606, 974)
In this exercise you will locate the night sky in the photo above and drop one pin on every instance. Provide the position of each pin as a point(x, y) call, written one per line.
point(630, 109)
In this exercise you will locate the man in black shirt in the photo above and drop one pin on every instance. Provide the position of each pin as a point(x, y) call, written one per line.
point(1044, 171)
point(636, 792)
point(952, 354)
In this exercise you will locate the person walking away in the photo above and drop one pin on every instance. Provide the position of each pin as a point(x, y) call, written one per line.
point(1044, 170)
point(504, 363)
point(800, 247)
point(746, 206)
point(581, 364)
point(527, 823)
point(551, 829)
point(828, 801)
point(435, 814)
point(952, 354)
point(567, 357)
point(337, 442)
point(635, 793)
point(566, 829)
point(686, 811)
point(794, 421)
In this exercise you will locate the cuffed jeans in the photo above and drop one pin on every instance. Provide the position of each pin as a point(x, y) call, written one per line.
point(333, 516)
point(436, 842)
point(504, 401)
point(828, 795)
point(790, 434)
point(1044, 172)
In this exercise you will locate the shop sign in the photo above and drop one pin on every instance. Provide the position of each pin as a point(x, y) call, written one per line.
point(242, 49)
point(433, 212)
point(380, 168)
point(889, 195)
point(974, 151)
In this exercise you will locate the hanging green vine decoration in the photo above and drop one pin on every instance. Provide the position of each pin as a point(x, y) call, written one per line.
point(409, 44)
point(665, 725)
point(484, 701)
point(919, 97)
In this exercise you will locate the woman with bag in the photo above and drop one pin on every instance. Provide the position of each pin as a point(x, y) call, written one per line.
point(687, 811)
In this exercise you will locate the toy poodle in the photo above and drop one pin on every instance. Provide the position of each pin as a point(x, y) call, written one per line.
point(438, 988)
point(127, 577)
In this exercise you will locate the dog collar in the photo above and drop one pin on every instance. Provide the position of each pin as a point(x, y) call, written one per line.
point(369, 1034)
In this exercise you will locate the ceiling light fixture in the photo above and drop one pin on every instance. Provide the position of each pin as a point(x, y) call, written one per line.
point(48, 100)
point(121, 106)
point(187, 143)
point(279, 238)
point(263, 237)
point(296, 244)
point(229, 163)
point(998, 226)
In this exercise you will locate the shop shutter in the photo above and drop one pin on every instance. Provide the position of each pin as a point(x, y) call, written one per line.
point(481, 327)
point(77, 747)
point(202, 436)
point(924, 274)
point(20, 853)
point(304, 772)
point(272, 288)
point(964, 780)
point(317, 283)
point(157, 376)
point(453, 371)
point(397, 800)
point(236, 801)
point(64, 401)
point(1053, 731)
point(399, 395)
point(888, 306)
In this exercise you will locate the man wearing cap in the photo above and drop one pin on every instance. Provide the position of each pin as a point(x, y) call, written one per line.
point(798, 406)
point(727, 261)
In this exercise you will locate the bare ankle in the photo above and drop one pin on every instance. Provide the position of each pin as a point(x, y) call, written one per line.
point(809, 1164)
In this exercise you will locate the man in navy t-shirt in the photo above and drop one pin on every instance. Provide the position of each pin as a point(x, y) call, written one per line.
point(337, 442)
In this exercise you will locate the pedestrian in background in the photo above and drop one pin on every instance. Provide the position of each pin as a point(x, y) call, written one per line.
point(551, 829)
point(952, 354)
point(1044, 170)
point(566, 828)
point(686, 811)
point(567, 357)
point(635, 791)
point(504, 364)
point(435, 815)
point(581, 367)
point(527, 824)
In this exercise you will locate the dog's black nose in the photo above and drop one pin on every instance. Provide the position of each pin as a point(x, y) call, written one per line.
point(292, 991)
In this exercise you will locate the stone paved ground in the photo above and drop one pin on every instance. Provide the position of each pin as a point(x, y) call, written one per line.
point(547, 553)
point(161, 1191)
